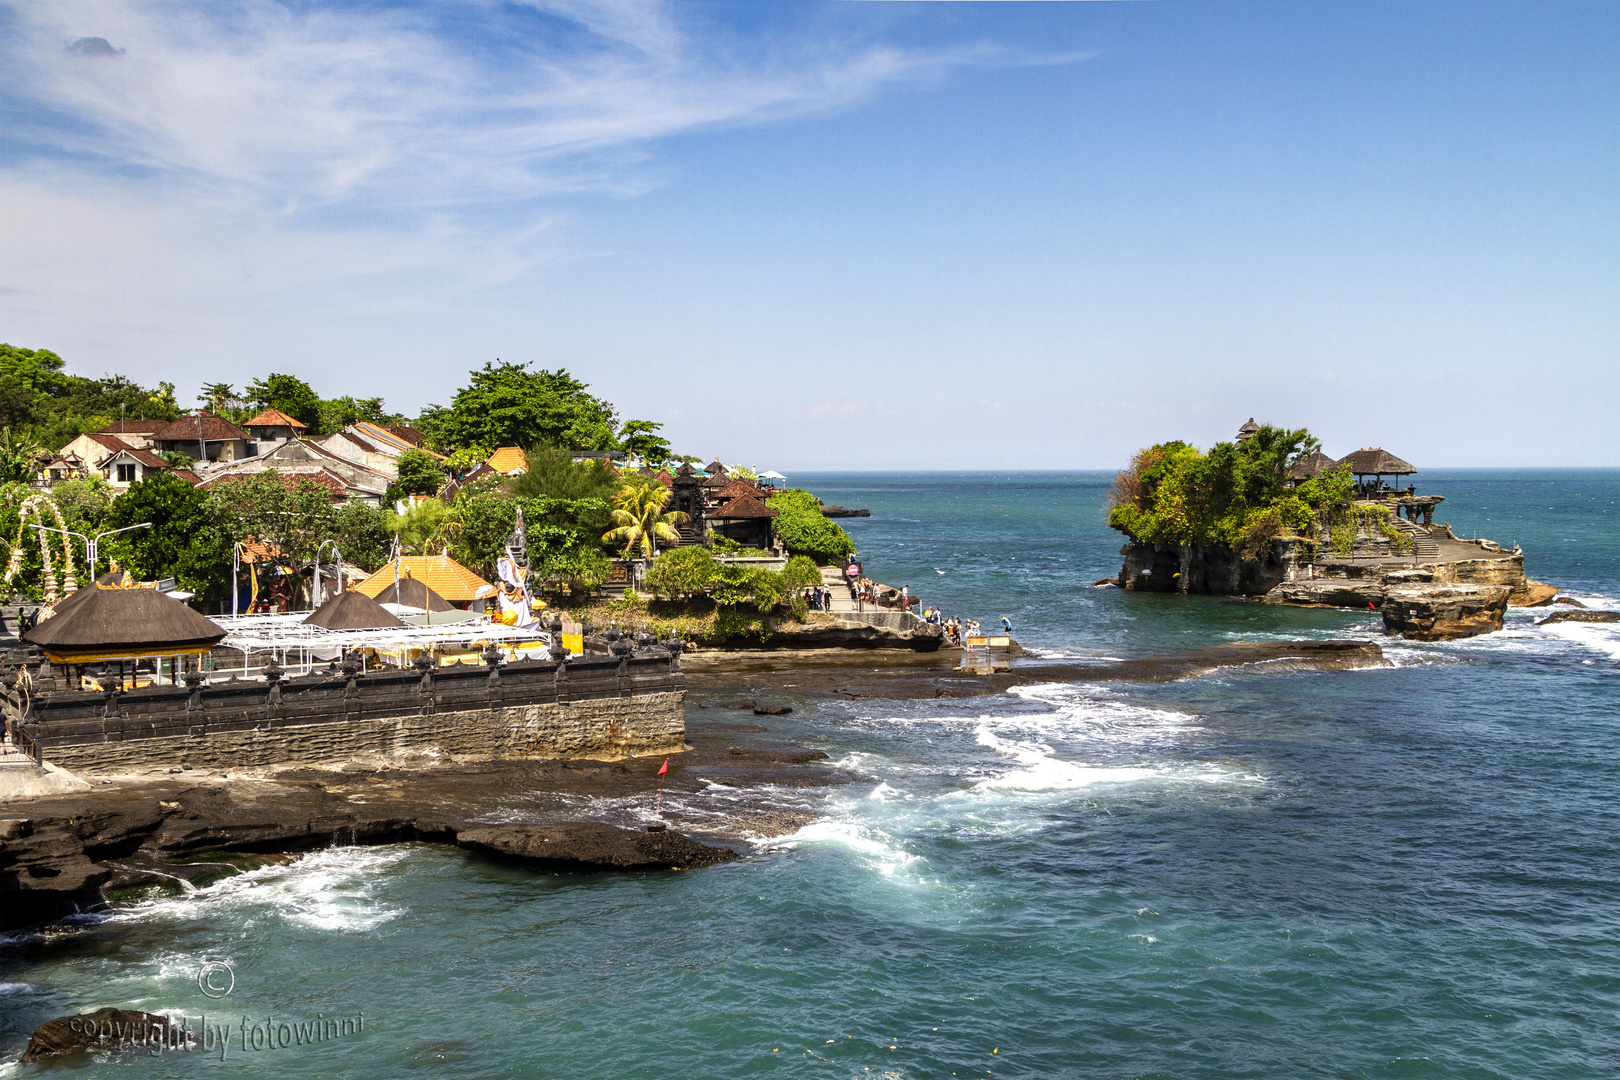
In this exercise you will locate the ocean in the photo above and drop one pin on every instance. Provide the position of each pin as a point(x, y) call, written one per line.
point(1409, 871)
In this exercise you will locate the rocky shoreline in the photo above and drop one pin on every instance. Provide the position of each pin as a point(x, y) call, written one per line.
point(129, 837)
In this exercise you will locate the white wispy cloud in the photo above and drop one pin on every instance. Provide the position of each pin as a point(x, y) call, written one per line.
point(404, 106)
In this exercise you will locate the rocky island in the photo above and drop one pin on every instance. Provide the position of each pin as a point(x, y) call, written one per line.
point(1268, 515)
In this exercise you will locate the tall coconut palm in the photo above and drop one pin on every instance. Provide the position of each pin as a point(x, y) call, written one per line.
point(639, 518)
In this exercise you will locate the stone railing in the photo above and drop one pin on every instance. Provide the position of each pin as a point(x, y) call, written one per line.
point(609, 704)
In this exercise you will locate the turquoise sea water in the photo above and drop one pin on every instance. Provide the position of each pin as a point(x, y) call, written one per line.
point(1405, 872)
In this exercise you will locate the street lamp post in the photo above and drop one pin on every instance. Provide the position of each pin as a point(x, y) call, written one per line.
point(92, 547)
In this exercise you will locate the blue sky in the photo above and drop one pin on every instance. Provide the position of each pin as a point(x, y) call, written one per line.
point(846, 236)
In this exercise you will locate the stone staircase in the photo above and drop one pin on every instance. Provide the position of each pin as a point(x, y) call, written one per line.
point(1423, 545)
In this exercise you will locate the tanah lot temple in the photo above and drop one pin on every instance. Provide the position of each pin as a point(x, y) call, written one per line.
point(119, 678)
point(1386, 553)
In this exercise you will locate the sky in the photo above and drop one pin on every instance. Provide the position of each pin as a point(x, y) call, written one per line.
point(845, 236)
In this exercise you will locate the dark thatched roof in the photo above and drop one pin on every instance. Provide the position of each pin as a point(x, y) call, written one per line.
point(718, 480)
point(686, 471)
point(352, 610)
point(1376, 462)
point(414, 593)
point(1313, 464)
point(107, 623)
point(715, 468)
point(740, 509)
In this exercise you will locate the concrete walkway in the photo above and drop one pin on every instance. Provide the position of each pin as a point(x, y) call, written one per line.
point(843, 599)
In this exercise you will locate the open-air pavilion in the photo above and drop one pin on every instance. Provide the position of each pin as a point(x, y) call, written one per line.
point(1376, 463)
point(126, 628)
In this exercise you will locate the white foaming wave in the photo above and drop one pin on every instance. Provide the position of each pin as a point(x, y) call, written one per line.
point(871, 845)
point(330, 889)
point(1043, 771)
point(1092, 713)
point(1602, 637)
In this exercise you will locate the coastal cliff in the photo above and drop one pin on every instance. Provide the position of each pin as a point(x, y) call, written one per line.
point(1210, 569)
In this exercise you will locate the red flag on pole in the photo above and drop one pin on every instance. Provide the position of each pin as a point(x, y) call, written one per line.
point(664, 768)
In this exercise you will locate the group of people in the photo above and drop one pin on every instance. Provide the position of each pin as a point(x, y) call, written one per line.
point(958, 628)
point(819, 598)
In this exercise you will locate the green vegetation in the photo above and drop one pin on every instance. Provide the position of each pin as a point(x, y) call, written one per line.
point(38, 401)
point(803, 529)
point(577, 514)
point(1234, 496)
point(641, 439)
point(509, 405)
point(709, 600)
point(639, 520)
point(419, 474)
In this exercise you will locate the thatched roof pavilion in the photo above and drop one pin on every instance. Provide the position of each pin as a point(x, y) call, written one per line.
point(1376, 461)
point(412, 593)
point(352, 610)
point(1248, 431)
point(1311, 465)
point(104, 623)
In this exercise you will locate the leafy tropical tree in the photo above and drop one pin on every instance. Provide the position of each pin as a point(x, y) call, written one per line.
point(38, 399)
point(683, 571)
point(288, 394)
point(19, 455)
point(419, 474)
point(424, 527)
point(641, 439)
point(292, 516)
point(639, 519)
point(508, 405)
point(338, 413)
point(86, 503)
point(185, 541)
point(803, 528)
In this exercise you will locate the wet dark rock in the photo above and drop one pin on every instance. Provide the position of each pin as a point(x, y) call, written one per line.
point(771, 710)
point(785, 755)
point(591, 845)
point(1581, 616)
point(1569, 600)
point(1105, 581)
point(104, 1029)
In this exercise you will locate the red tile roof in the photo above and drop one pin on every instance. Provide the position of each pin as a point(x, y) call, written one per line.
point(213, 429)
point(145, 457)
point(275, 418)
point(334, 485)
point(134, 427)
point(111, 442)
point(737, 489)
point(408, 433)
point(745, 507)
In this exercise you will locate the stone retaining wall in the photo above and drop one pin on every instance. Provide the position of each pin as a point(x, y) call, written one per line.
point(604, 707)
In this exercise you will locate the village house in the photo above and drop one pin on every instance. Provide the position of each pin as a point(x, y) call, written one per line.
point(130, 465)
point(272, 426)
point(136, 433)
point(344, 478)
point(376, 447)
point(203, 437)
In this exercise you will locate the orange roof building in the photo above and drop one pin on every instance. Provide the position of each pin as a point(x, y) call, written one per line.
point(509, 460)
point(440, 573)
point(274, 418)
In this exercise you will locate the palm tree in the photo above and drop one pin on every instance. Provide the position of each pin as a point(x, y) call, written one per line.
point(639, 517)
